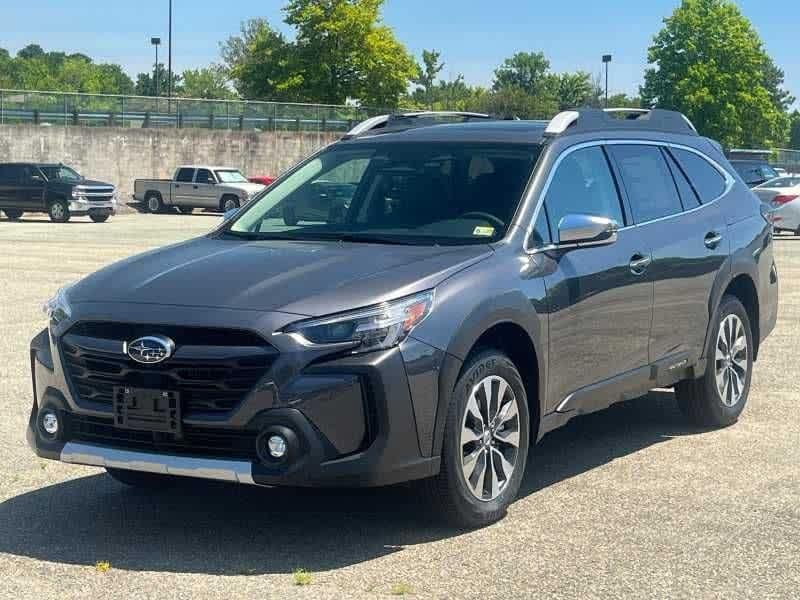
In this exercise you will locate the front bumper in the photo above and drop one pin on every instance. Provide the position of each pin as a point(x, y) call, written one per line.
point(362, 420)
point(80, 207)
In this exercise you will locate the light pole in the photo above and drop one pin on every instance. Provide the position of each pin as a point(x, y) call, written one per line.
point(169, 74)
point(606, 60)
point(156, 41)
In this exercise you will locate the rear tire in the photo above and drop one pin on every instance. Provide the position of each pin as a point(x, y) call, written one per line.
point(471, 490)
point(228, 203)
point(718, 397)
point(153, 202)
point(12, 214)
point(141, 479)
point(58, 211)
point(99, 218)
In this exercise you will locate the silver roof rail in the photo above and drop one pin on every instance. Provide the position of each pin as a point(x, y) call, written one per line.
point(384, 121)
point(593, 119)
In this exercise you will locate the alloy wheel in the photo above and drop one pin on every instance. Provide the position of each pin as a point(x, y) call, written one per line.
point(490, 438)
point(57, 211)
point(731, 360)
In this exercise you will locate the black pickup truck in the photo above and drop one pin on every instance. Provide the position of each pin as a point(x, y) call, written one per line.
point(56, 189)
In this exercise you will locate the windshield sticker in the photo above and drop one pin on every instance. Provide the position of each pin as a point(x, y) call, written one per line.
point(483, 231)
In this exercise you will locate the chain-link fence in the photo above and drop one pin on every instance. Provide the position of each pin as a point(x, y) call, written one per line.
point(70, 109)
point(786, 159)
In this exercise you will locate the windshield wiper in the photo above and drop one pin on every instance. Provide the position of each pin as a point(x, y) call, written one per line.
point(361, 238)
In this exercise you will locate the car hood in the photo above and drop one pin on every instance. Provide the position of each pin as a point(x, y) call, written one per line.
point(304, 278)
point(248, 188)
point(91, 183)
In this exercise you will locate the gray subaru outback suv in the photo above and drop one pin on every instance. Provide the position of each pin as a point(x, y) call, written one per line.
point(419, 301)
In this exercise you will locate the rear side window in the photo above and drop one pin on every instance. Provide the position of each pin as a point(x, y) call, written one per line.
point(708, 182)
point(648, 181)
point(583, 184)
point(685, 190)
point(185, 175)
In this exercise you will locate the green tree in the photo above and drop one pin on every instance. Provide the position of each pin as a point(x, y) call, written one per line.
point(572, 90)
point(344, 50)
point(210, 82)
point(262, 64)
point(709, 63)
point(527, 71)
point(146, 83)
point(426, 76)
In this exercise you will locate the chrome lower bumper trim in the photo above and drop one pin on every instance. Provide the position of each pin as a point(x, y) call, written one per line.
point(237, 471)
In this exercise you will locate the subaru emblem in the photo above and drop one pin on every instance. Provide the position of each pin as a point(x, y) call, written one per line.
point(150, 349)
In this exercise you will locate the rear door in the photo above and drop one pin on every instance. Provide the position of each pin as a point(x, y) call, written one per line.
point(672, 193)
point(7, 187)
point(600, 297)
point(204, 191)
point(182, 187)
point(25, 188)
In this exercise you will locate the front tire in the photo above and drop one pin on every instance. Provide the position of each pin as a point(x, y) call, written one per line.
point(58, 211)
point(485, 445)
point(229, 203)
point(12, 214)
point(141, 479)
point(718, 397)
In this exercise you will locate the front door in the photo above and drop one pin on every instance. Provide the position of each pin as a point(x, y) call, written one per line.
point(599, 297)
point(205, 189)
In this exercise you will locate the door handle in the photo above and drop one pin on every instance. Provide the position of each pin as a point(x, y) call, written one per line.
point(195, 187)
point(639, 263)
point(712, 240)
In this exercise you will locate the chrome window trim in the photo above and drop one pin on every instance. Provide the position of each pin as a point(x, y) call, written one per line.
point(729, 183)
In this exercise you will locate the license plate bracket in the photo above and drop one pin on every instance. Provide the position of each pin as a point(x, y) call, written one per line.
point(147, 410)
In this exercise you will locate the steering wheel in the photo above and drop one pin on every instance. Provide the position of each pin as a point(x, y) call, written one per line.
point(486, 216)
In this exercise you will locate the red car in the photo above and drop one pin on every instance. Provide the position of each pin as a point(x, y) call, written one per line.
point(262, 179)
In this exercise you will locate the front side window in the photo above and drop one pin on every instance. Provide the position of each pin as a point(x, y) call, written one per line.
point(583, 184)
point(400, 192)
point(231, 176)
point(709, 183)
point(646, 177)
point(61, 173)
point(204, 176)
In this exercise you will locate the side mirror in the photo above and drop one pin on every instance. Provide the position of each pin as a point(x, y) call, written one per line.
point(229, 214)
point(587, 230)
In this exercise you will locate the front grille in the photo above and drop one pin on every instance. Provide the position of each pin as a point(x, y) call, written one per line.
point(209, 443)
point(104, 194)
point(211, 369)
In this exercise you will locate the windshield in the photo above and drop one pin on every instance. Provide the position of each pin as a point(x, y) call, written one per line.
point(61, 172)
point(409, 193)
point(231, 177)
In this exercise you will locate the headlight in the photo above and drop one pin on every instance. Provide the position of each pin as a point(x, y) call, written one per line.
point(373, 328)
point(76, 193)
point(57, 308)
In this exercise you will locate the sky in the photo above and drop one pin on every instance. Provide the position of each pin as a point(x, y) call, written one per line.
point(474, 36)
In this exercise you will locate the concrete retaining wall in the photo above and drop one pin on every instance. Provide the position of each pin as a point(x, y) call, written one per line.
point(120, 155)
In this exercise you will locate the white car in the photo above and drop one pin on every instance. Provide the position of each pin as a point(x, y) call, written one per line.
point(782, 194)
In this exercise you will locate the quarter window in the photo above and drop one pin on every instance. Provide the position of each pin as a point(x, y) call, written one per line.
point(651, 190)
point(708, 182)
point(685, 190)
point(541, 231)
point(185, 175)
point(583, 184)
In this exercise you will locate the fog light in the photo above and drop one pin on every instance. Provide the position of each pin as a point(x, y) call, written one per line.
point(277, 446)
point(50, 422)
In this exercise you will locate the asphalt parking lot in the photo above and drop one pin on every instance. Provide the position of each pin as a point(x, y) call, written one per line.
point(628, 503)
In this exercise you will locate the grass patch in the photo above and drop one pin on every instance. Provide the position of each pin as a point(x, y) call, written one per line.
point(401, 589)
point(102, 566)
point(301, 577)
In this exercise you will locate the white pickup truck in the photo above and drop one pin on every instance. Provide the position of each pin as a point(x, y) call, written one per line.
point(196, 186)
